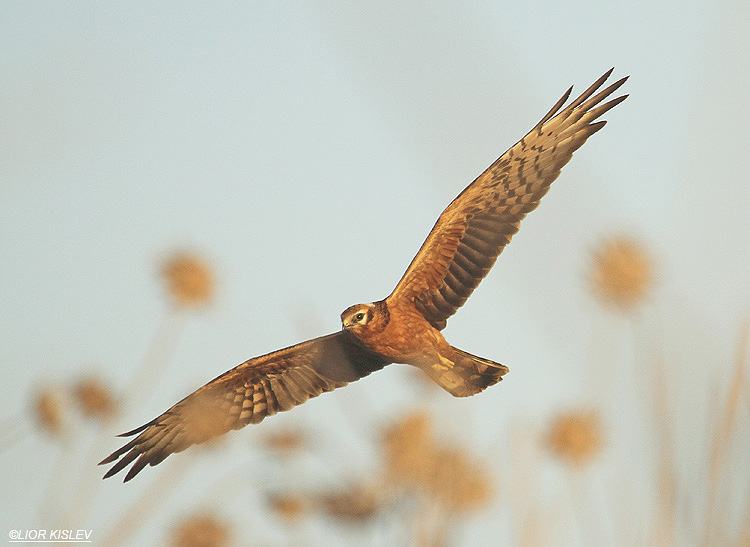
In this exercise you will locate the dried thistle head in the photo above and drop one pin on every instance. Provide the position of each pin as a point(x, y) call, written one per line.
point(94, 398)
point(285, 442)
point(622, 272)
point(354, 504)
point(409, 448)
point(575, 437)
point(202, 530)
point(415, 458)
point(189, 280)
point(459, 482)
point(289, 507)
point(48, 410)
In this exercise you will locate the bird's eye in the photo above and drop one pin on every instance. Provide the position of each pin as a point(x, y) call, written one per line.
point(359, 317)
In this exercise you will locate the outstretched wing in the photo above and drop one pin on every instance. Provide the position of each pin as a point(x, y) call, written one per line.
point(246, 394)
point(473, 230)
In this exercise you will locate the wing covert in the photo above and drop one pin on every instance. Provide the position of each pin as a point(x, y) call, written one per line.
point(474, 229)
point(246, 394)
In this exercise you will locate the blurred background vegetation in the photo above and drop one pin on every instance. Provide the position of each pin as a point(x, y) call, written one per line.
point(185, 187)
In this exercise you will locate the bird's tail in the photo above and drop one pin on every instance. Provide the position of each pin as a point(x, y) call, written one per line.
point(462, 374)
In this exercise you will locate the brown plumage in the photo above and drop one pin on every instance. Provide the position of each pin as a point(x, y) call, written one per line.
point(405, 327)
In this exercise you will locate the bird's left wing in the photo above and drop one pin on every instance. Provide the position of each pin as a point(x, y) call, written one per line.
point(246, 394)
point(475, 228)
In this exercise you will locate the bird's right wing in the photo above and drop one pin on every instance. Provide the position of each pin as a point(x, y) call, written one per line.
point(475, 228)
point(246, 394)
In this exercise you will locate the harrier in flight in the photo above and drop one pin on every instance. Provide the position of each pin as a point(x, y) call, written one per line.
point(404, 327)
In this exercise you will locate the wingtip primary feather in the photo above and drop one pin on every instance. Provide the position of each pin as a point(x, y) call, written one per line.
point(136, 430)
point(592, 89)
point(594, 127)
point(554, 110)
point(119, 466)
point(602, 109)
point(584, 96)
point(137, 467)
point(123, 452)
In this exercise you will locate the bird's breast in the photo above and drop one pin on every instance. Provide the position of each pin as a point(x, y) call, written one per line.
point(406, 338)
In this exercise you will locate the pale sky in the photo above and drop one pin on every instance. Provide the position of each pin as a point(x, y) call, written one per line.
point(305, 149)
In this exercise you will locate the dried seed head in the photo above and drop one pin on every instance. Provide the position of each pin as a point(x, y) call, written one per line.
point(201, 530)
point(94, 398)
point(621, 273)
point(285, 442)
point(48, 411)
point(354, 504)
point(290, 507)
point(575, 437)
point(414, 458)
point(189, 279)
point(409, 448)
point(459, 482)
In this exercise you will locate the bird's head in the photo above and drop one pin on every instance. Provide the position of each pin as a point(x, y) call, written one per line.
point(365, 316)
point(357, 316)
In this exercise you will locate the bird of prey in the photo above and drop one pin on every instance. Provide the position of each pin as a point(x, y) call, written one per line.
point(404, 327)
